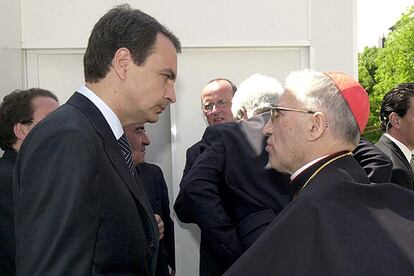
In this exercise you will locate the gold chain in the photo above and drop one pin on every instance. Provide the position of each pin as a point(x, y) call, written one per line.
point(322, 167)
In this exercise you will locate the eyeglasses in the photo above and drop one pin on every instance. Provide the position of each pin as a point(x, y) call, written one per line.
point(218, 104)
point(275, 110)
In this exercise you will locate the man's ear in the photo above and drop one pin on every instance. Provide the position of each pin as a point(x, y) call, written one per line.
point(244, 113)
point(394, 120)
point(317, 126)
point(20, 131)
point(120, 62)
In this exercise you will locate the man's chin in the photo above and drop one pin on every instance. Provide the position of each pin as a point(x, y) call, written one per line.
point(153, 119)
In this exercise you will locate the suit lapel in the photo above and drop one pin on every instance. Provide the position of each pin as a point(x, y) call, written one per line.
point(111, 146)
point(398, 152)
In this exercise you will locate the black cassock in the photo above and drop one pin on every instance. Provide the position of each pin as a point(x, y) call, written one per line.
point(338, 224)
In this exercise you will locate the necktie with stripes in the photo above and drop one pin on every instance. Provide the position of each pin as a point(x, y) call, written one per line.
point(126, 153)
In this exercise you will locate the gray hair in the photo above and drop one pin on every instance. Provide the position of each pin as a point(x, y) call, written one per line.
point(318, 92)
point(255, 95)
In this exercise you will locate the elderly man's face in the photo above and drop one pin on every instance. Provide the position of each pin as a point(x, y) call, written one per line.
point(286, 132)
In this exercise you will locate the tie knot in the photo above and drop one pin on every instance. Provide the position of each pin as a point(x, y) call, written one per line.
point(126, 152)
point(123, 143)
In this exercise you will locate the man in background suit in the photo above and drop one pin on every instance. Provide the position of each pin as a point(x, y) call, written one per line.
point(79, 206)
point(229, 192)
point(397, 121)
point(216, 105)
point(216, 98)
point(20, 111)
point(155, 187)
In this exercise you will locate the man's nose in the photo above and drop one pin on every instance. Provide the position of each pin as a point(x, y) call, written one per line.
point(268, 128)
point(170, 95)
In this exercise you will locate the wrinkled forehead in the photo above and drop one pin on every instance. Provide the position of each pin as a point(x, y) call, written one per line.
point(217, 89)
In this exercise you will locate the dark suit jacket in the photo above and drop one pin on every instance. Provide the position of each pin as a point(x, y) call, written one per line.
point(78, 210)
point(376, 164)
point(7, 242)
point(210, 263)
point(337, 225)
point(155, 187)
point(191, 155)
point(229, 192)
point(402, 173)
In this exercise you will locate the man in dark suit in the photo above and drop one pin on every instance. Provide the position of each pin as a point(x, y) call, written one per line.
point(397, 121)
point(155, 187)
point(78, 207)
point(229, 192)
point(20, 111)
point(216, 105)
point(376, 164)
point(216, 98)
point(338, 223)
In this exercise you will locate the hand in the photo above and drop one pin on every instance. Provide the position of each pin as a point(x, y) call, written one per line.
point(160, 224)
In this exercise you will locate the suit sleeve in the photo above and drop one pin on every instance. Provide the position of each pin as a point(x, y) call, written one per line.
point(376, 164)
point(56, 207)
point(190, 159)
point(168, 222)
point(180, 206)
point(200, 192)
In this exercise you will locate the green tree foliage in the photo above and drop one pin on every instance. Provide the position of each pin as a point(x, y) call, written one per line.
point(381, 69)
point(367, 66)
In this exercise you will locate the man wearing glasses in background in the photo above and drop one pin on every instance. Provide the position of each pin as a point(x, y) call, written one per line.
point(216, 98)
point(337, 223)
point(230, 192)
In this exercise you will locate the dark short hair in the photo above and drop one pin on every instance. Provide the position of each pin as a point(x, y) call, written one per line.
point(122, 27)
point(396, 100)
point(233, 86)
point(17, 108)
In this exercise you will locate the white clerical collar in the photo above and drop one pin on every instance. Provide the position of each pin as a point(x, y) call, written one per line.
point(403, 148)
point(301, 169)
point(106, 111)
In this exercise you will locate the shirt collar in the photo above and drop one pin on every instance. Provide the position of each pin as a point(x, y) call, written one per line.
point(304, 167)
point(107, 112)
point(403, 148)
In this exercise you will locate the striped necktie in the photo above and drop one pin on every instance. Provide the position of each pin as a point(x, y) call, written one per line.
point(126, 153)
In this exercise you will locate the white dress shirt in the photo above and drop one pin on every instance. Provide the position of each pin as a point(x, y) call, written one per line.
point(106, 111)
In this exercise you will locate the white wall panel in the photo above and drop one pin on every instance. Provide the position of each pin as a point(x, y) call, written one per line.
point(11, 67)
point(60, 23)
point(63, 24)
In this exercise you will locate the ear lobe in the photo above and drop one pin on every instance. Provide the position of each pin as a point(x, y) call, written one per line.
point(318, 124)
point(120, 62)
point(20, 131)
